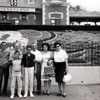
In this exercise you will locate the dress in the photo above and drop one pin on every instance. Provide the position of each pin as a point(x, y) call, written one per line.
point(60, 64)
point(45, 57)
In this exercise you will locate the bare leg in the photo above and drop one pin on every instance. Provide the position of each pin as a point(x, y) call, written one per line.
point(45, 86)
point(59, 89)
point(49, 86)
point(64, 89)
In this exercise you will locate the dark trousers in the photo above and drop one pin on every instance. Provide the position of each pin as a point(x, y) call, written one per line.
point(38, 77)
point(4, 72)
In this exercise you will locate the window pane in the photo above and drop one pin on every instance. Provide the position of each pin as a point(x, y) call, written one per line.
point(31, 1)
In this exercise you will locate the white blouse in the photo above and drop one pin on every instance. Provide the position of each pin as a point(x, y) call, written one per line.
point(60, 56)
point(16, 65)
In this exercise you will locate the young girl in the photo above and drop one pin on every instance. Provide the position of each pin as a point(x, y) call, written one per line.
point(16, 74)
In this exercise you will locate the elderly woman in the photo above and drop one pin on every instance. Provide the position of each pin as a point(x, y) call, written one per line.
point(61, 66)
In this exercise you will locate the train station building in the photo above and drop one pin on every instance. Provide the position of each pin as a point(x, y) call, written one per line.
point(34, 12)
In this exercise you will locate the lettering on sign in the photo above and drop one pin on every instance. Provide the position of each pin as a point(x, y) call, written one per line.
point(17, 9)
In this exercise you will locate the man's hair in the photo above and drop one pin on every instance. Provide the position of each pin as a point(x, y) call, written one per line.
point(3, 43)
point(29, 46)
point(17, 52)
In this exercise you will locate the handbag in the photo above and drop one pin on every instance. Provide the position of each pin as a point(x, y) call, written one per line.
point(67, 78)
point(48, 70)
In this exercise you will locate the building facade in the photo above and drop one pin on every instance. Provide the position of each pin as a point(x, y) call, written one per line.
point(55, 12)
point(34, 12)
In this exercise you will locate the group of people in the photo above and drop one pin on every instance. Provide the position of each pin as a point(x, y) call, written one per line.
point(25, 67)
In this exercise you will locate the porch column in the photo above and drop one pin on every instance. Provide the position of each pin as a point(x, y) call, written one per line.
point(43, 12)
point(67, 14)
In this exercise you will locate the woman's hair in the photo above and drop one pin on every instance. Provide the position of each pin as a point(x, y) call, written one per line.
point(46, 44)
point(57, 43)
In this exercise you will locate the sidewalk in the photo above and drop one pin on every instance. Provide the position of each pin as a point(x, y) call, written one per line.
point(75, 92)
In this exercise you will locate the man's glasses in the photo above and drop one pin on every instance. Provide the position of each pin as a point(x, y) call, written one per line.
point(57, 46)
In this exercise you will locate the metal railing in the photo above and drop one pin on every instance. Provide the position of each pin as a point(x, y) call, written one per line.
point(83, 54)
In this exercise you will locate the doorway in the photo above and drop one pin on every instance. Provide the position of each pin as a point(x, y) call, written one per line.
point(55, 21)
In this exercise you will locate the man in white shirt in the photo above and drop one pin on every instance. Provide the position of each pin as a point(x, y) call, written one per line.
point(38, 60)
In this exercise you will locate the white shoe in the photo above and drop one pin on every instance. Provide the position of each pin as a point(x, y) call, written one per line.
point(25, 95)
point(20, 95)
point(31, 95)
point(12, 96)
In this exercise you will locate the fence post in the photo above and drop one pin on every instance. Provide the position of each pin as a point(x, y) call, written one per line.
point(92, 53)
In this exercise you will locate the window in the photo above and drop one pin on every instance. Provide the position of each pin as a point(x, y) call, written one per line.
point(13, 2)
point(30, 1)
point(56, 15)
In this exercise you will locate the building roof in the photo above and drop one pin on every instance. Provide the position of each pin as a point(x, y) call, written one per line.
point(83, 13)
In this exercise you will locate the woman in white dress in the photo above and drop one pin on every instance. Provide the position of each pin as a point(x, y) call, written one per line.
point(46, 54)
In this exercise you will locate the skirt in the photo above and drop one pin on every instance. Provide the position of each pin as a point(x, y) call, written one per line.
point(59, 71)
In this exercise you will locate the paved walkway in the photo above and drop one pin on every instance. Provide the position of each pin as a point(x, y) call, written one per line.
point(76, 92)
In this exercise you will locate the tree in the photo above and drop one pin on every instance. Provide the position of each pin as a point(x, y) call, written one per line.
point(78, 7)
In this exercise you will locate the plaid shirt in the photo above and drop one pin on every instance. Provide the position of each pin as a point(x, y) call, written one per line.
point(4, 57)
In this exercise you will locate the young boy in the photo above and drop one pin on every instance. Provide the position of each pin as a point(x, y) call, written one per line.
point(28, 63)
point(16, 74)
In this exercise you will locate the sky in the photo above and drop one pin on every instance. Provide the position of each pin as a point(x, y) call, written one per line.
point(90, 5)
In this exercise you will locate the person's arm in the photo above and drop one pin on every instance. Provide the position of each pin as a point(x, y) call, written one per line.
point(51, 56)
point(23, 60)
point(21, 54)
point(10, 71)
point(22, 71)
point(22, 66)
point(11, 56)
point(66, 61)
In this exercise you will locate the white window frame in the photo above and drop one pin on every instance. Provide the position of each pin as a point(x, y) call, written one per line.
point(60, 13)
point(30, 2)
